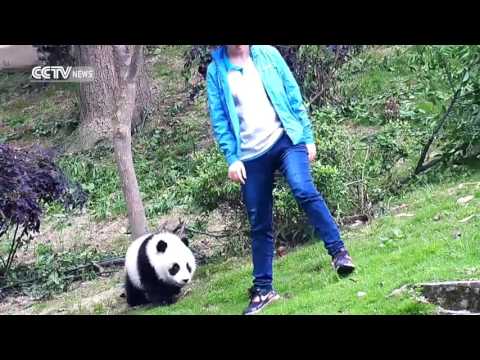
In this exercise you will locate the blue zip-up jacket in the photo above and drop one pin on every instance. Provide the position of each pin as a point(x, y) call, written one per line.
point(281, 88)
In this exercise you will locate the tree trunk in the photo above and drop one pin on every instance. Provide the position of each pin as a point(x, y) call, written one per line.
point(96, 97)
point(127, 60)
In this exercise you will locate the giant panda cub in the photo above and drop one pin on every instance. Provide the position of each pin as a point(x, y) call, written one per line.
point(157, 267)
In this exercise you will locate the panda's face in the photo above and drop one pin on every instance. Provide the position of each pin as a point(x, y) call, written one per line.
point(172, 259)
point(180, 273)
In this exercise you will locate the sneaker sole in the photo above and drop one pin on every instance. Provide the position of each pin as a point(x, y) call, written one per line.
point(345, 270)
point(275, 298)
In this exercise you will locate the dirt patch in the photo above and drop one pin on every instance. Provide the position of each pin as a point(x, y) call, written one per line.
point(70, 233)
point(15, 305)
point(208, 242)
point(99, 296)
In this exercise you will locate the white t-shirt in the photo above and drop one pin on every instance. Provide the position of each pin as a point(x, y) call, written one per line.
point(260, 127)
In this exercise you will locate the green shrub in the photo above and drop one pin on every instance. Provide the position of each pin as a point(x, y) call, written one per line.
point(209, 186)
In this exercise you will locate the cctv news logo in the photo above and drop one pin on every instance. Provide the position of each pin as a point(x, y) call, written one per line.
point(62, 74)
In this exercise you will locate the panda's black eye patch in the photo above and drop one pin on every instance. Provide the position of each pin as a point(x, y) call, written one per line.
point(174, 269)
point(189, 268)
point(161, 246)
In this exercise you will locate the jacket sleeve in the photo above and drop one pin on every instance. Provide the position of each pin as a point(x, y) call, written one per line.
point(220, 123)
point(294, 95)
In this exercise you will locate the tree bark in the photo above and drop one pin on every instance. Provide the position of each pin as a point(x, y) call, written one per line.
point(96, 97)
point(127, 60)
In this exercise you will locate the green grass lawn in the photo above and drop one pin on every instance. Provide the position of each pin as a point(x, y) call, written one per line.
point(390, 252)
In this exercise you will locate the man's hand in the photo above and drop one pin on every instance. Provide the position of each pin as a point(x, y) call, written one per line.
point(237, 173)
point(312, 152)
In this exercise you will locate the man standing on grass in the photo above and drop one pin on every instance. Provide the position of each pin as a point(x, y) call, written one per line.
point(261, 125)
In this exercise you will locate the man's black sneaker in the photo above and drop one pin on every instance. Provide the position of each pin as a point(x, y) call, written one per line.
point(342, 263)
point(259, 299)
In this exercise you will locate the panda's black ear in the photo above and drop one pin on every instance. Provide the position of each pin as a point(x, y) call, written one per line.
point(161, 246)
point(185, 240)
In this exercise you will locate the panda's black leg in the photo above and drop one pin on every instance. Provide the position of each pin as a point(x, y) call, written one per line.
point(158, 293)
point(157, 298)
point(163, 295)
point(135, 297)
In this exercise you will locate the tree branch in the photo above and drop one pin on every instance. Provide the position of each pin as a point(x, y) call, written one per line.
point(222, 235)
point(11, 252)
point(439, 126)
point(430, 164)
point(107, 262)
point(421, 167)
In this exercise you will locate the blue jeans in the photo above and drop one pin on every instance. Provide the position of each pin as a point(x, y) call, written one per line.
point(293, 162)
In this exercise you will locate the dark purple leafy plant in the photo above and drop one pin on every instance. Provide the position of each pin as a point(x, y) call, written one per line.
point(29, 179)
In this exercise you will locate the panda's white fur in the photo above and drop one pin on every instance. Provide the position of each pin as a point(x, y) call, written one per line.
point(157, 266)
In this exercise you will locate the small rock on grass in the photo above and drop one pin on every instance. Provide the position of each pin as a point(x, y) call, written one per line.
point(361, 294)
point(464, 200)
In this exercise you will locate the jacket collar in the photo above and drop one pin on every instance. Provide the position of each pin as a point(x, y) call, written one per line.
point(220, 56)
